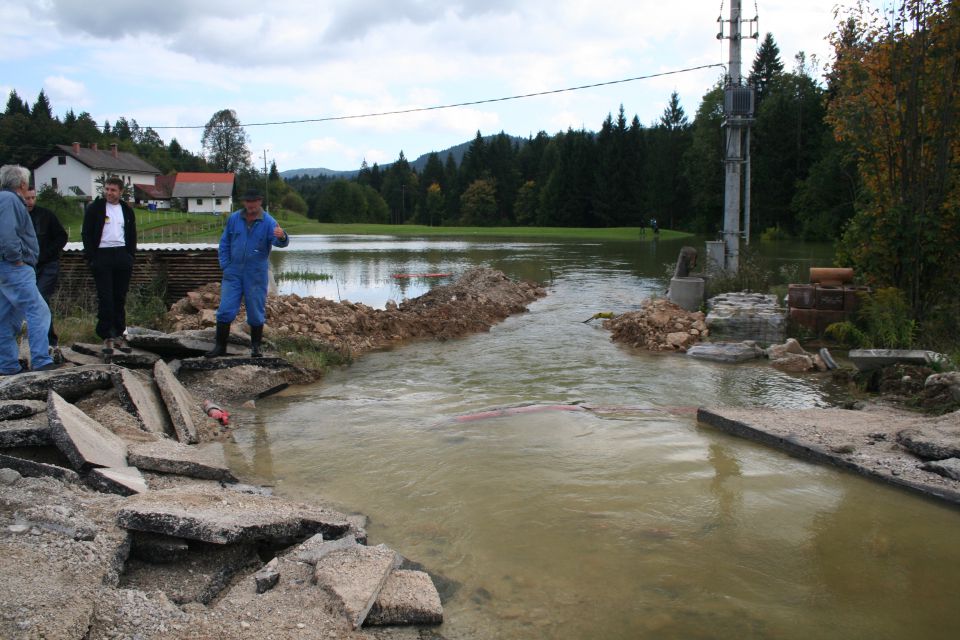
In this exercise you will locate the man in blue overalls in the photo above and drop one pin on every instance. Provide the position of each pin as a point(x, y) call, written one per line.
point(245, 247)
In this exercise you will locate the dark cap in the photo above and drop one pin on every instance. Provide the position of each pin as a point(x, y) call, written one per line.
point(252, 194)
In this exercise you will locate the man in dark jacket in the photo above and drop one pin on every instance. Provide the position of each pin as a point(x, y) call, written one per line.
point(110, 243)
point(52, 238)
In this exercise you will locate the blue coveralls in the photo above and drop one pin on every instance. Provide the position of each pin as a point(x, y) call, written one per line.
point(244, 258)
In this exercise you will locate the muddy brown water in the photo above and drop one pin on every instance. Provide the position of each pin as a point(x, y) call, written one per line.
point(621, 518)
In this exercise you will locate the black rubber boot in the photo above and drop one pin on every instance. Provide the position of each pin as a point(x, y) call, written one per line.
point(223, 334)
point(256, 337)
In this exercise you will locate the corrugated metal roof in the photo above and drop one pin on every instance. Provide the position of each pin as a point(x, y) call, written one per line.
point(100, 159)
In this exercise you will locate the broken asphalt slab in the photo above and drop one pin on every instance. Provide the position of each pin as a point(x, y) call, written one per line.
point(16, 409)
point(355, 576)
point(71, 384)
point(178, 402)
point(33, 469)
point(137, 358)
point(184, 344)
point(25, 432)
point(213, 364)
point(124, 481)
point(407, 597)
point(212, 514)
point(143, 401)
point(863, 442)
point(206, 461)
point(84, 441)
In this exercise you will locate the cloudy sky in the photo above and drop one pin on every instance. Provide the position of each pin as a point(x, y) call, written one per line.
point(175, 63)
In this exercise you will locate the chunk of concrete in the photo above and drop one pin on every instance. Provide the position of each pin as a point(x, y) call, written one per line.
point(949, 468)
point(34, 469)
point(728, 352)
point(354, 578)
point(72, 383)
point(212, 514)
point(84, 441)
point(17, 409)
point(313, 550)
point(178, 401)
point(268, 577)
point(869, 359)
point(168, 456)
point(932, 442)
point(143, 402)
point(26, 432)
point(408, 597)
point(124, 481)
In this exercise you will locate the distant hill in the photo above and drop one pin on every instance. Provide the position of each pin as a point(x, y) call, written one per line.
point(419, 164)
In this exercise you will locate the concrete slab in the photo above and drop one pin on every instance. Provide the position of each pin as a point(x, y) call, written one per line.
point(868, 359)
point(17, 409)
point(746, 316)
point(863, 442)
point(26, 432)
point(71, 384)
point(137, 358)
point(34, 469)
point(727, 352)
point(205, 461)
point(143, 401)
point(213, 364)
point(354, 578)
point(124, 481)
point(80, 359)
point(178, 401)
point(212, 514)
point(408, 597)
point(84, 441)
point(183, 344)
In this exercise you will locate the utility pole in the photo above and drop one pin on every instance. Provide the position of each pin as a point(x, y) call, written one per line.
point(266, 181)
point(738, 104)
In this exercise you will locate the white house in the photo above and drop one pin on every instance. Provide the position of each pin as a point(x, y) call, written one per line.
point(73, 171)
point(205, 192)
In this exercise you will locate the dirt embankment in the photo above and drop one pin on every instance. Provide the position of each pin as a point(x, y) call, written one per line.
point(479, 299)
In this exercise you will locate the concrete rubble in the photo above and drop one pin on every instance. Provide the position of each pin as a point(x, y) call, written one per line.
point(659, 325)
point(746, 316)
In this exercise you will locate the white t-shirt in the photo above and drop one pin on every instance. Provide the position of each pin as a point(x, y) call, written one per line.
point(113, 227)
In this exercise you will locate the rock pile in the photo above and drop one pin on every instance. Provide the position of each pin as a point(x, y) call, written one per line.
point(476, 301)
point(659, 325)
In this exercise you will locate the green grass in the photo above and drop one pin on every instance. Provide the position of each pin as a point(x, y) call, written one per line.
point(169, 226)
point(308, 276)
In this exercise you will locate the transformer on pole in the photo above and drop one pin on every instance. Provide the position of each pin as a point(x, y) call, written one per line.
point(738, 107)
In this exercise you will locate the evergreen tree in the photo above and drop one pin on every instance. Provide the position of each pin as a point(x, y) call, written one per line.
point(16, 106)
point(703, 163)
point(451, 174)
point(41, 108)
point(767, 67)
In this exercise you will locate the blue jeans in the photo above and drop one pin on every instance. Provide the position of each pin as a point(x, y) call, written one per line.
point(20, 299)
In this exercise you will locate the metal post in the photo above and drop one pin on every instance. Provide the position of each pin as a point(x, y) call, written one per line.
point(731, 191)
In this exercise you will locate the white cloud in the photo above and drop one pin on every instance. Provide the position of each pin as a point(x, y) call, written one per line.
point(62, 90)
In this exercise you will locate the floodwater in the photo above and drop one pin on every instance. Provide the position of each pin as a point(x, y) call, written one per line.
point(561, 485)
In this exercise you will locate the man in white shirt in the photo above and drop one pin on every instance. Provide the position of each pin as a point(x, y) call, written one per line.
point(110, 244)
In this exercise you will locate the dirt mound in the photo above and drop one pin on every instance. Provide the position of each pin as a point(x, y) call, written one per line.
point(475, 302)
point(659, 325)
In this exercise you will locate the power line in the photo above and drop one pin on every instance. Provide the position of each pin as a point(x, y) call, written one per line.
point(454, 105)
